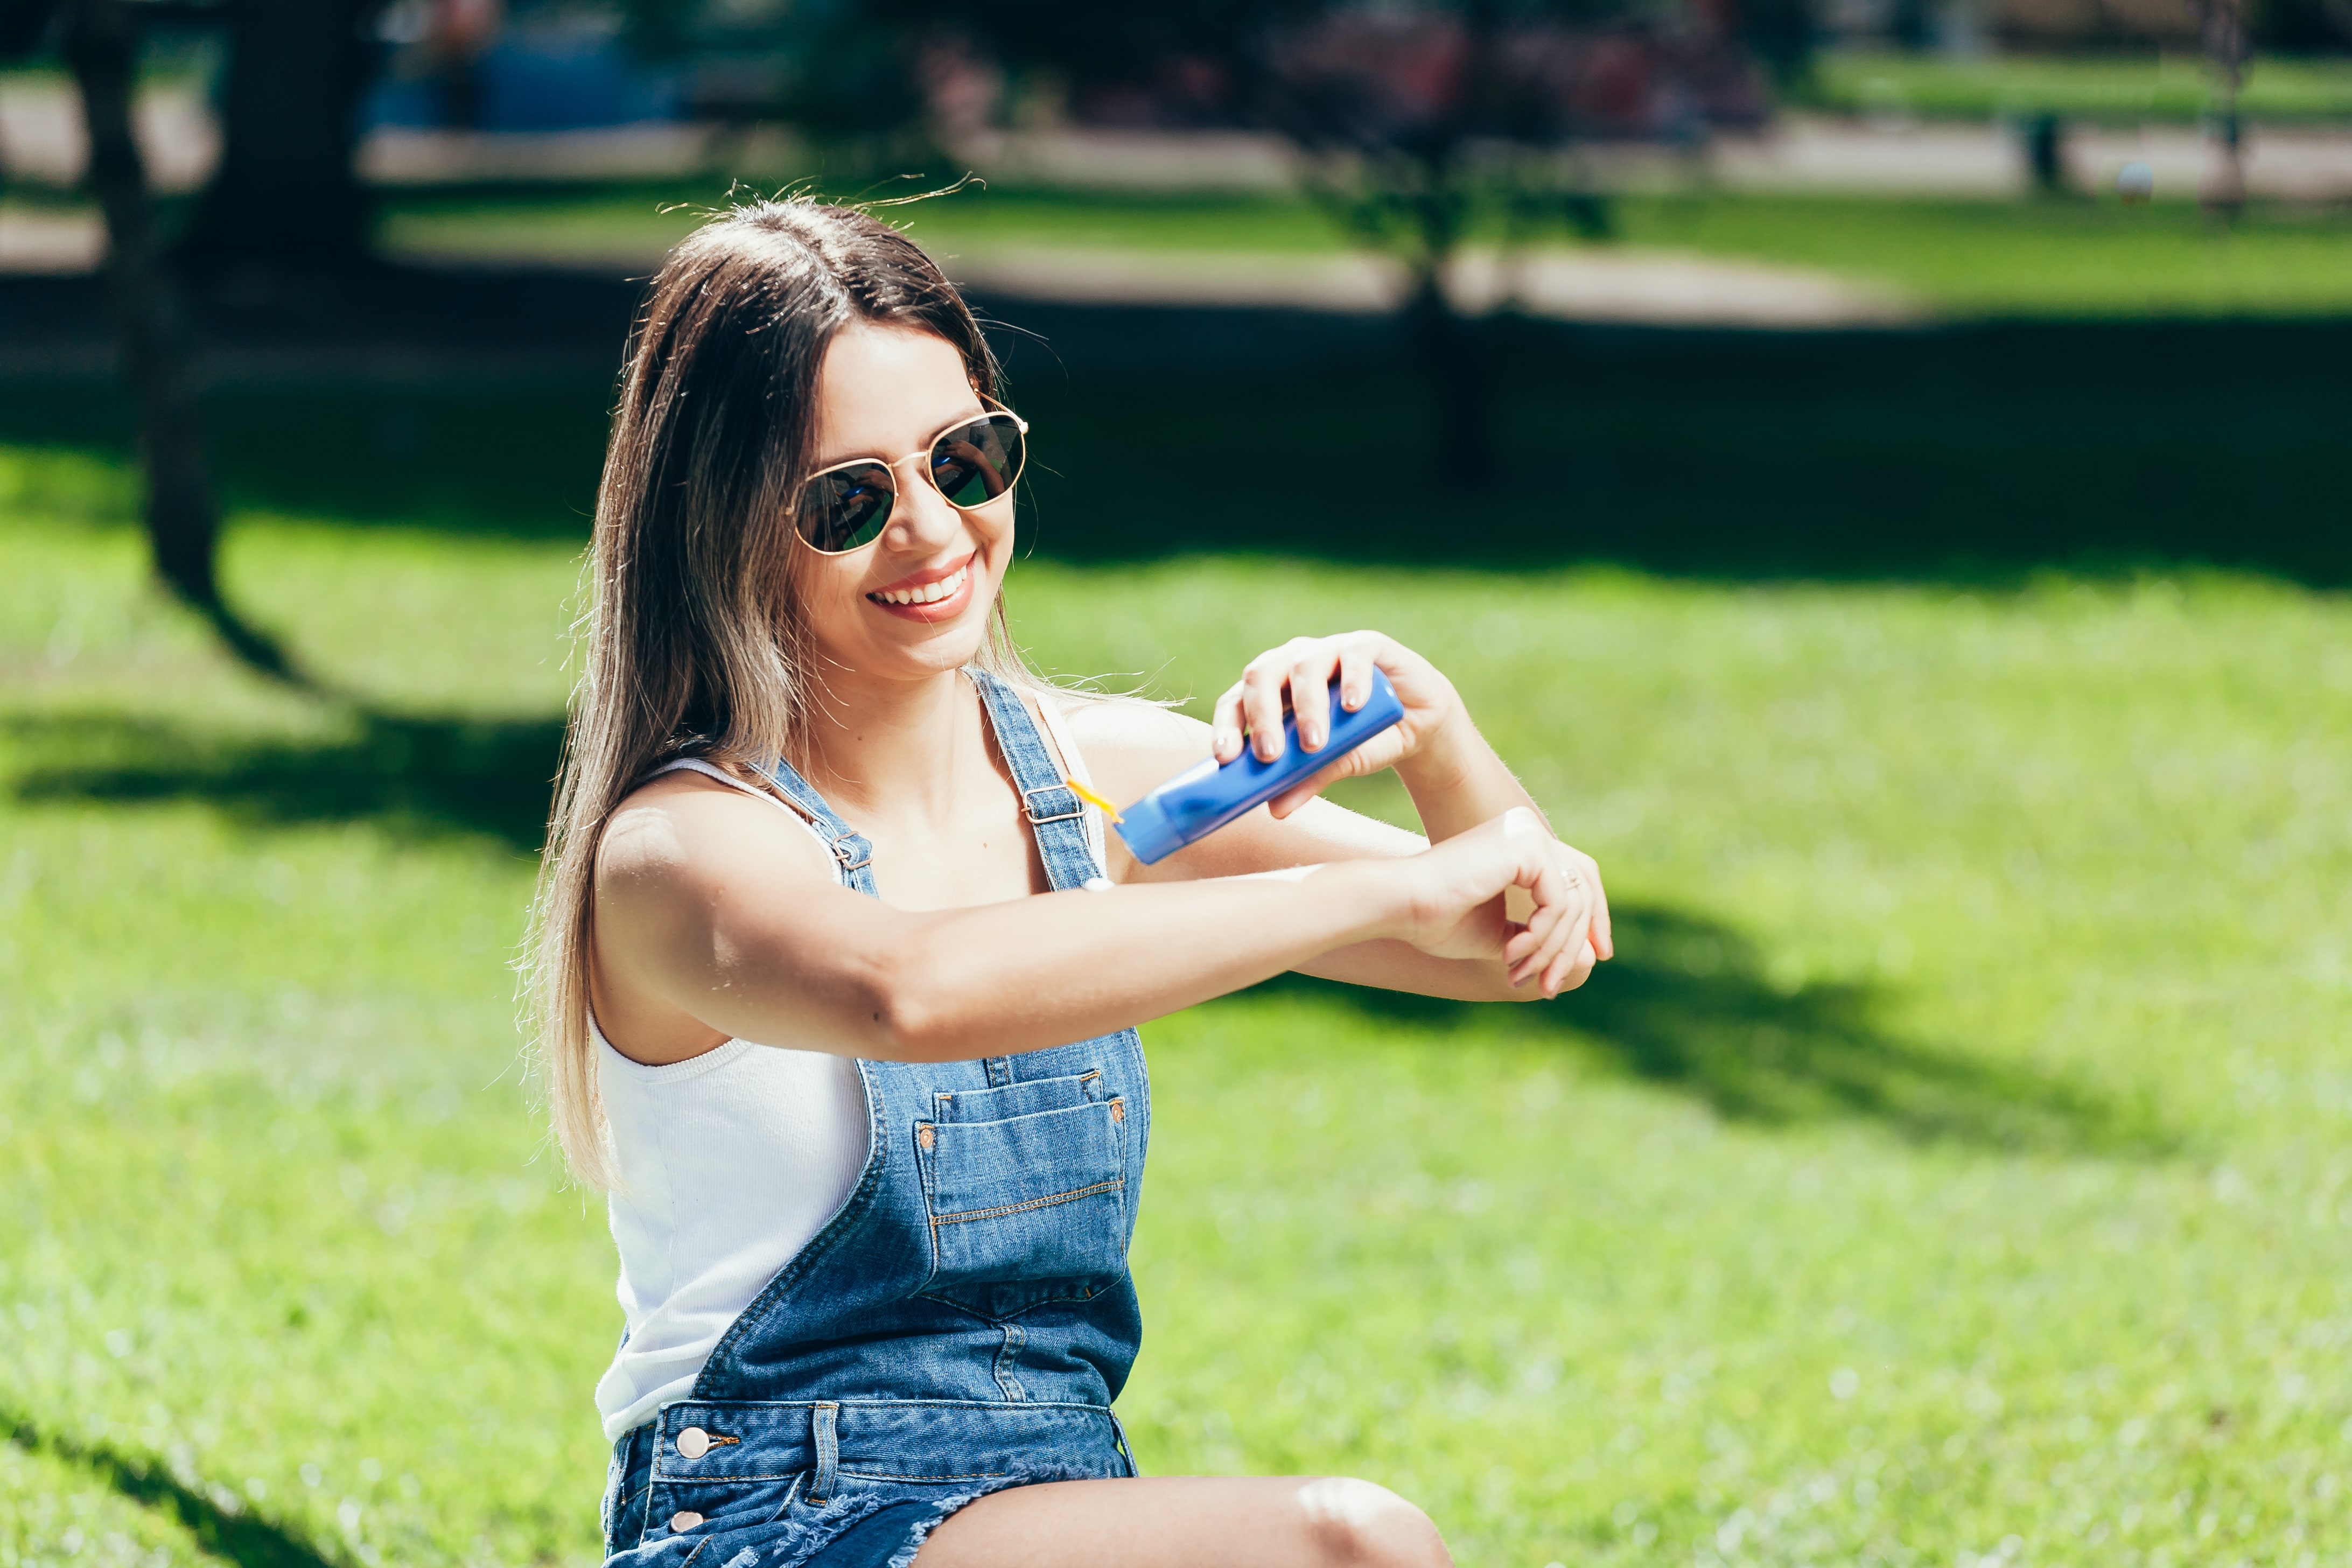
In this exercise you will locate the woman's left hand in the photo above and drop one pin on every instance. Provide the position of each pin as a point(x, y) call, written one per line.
point(1433, 711)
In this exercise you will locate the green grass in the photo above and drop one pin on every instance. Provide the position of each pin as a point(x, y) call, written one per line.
point(1956, 258)
point(559, 220)
point(2089, 258)
point(1951, 1167)
point(2124, 89)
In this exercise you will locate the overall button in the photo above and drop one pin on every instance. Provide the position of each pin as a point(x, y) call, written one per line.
point(694, 1442)
point(684, 1520)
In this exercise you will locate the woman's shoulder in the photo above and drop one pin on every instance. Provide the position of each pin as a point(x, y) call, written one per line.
point(1129, 744)
point(686, 825)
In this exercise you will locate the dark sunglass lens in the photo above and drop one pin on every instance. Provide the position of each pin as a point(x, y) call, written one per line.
point(973, 464)
point(845, 508)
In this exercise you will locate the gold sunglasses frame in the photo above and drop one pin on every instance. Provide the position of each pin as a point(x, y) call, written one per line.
point(890, 468)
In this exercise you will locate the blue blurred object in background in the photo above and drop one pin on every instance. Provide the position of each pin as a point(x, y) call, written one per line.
point(528, 78)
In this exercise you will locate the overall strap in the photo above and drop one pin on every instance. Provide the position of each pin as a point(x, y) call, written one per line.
point(851, 852)
point(1056, 816)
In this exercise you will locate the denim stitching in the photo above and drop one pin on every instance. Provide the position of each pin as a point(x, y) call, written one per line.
point(940, 1219)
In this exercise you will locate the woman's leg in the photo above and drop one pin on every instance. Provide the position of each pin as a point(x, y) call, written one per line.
point(1190, 1522)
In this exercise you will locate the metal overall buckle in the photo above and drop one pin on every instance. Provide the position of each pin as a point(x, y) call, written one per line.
point(1029, 806)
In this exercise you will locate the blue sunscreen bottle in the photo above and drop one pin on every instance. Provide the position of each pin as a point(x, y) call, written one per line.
point(1200, 800)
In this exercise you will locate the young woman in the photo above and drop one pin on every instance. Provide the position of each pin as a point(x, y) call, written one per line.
point(821, 922)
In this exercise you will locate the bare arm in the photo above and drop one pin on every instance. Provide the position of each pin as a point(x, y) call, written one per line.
point(716, 906)
point(1456, 780)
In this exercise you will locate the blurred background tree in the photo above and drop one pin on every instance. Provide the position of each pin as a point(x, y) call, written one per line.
point(1418, 127)
point(99, 40)
point(844, 75)
point(287, 195)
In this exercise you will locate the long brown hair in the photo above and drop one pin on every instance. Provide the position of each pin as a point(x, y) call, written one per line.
point(694, 643)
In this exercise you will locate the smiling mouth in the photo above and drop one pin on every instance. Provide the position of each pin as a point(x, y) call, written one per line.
point(927, 593)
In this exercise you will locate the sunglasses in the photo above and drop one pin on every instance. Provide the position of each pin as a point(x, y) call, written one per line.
point(971, 462)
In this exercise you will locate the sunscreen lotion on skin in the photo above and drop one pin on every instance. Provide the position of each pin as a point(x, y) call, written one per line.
point(1200, 800)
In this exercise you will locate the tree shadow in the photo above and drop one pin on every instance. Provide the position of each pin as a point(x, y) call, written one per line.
point(1976, 454)
point(1688, 1003)
point(225, 1529)
point(1970, 452)
point(430, 773)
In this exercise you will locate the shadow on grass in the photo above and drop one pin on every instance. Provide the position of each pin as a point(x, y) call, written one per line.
point(433, 774)
point(1688, 1003)
point(216, 1517)
point(1977, 453)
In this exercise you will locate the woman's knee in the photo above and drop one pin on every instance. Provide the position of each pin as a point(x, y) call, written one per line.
point(1357, 1524)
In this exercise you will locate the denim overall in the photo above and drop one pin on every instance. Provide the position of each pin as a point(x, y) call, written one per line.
point(959, 1326)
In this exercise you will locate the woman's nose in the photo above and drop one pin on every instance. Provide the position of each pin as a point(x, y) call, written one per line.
point(923, 514)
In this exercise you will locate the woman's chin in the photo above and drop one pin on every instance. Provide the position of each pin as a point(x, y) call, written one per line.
point(943, 635)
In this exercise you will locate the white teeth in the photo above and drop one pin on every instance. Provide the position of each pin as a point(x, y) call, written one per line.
point(928, 594)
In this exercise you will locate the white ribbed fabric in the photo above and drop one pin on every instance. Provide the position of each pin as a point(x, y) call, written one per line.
point(730, 1163)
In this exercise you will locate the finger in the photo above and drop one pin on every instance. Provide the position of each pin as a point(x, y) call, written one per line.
point(1225, 722)
point(1574, 937)
point(1539, 873)
point(1571, 970)
point(1569, 907)
point(1310, 694)
point(1262, 689)
point(1525, 952)
point(1565, 934)
point(1358, 654)
point(1603, 944)
point(1547, 928)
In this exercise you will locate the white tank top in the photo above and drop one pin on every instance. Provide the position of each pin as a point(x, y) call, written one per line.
point(730, 1163)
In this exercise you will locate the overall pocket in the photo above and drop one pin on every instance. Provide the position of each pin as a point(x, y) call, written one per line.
point(1026, 1187)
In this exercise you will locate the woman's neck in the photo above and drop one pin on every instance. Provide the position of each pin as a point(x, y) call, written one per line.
point(891, 747)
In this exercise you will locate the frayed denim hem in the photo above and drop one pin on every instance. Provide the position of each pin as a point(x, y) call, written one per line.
point(947, 1508)
point(805, 1539)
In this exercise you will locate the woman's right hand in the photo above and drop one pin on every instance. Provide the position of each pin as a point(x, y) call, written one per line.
point(1455, 904)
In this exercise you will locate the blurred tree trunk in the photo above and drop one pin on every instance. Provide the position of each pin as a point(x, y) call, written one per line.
point(100, 43)
point(2222, 27)
point(1449, 348)
point(1447, 343)
point(287, 194)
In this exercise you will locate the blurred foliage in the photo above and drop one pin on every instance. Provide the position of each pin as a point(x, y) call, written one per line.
point(1414, 122)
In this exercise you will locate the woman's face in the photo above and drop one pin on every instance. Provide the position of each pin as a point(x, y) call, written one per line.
point(883, 392)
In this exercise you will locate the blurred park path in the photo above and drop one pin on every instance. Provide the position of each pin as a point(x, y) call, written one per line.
point(41, 145)
point(41, 140)
point(1616, 285)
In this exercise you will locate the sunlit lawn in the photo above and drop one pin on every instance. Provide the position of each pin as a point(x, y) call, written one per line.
point(1958, 258)
point(1954, 1162)
point(2126, 88)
